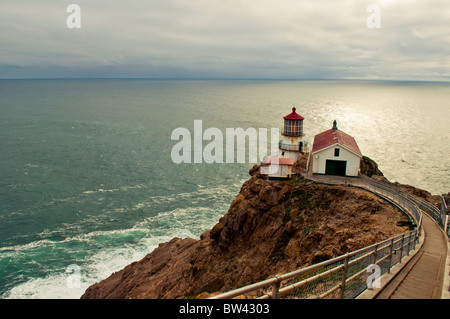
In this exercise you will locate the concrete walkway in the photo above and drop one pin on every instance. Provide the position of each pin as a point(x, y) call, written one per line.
point(423, 277)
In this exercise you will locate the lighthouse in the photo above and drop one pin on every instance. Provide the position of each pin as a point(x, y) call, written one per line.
point(291, 144)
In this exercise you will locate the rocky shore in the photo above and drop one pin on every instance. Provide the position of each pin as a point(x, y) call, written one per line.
point(271, 227)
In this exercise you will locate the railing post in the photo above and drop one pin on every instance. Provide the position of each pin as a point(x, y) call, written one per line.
point(401, 248)
point(415, 239)
point(375, 252)
point(409, 244)
point(275, 290)
point(390, 255)
point(344, 276)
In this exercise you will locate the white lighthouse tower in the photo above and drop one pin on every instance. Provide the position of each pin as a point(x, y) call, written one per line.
point(291, 144)
point(290, 147)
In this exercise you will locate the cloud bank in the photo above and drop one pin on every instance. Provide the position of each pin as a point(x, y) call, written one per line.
point(285, 39)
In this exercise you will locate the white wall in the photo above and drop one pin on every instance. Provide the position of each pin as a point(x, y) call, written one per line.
point(283, 170)
point(286, 170)
point(289, 154)
point(290, 141)
point(319, 164)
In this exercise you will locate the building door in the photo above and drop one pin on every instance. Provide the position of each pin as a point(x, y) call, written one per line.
point(336, 167)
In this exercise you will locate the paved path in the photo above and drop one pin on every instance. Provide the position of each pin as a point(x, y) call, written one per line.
point(423, 277)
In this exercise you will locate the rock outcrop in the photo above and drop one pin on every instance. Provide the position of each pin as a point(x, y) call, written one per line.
point(271, 227)
point(369, 167)
point(447, 202)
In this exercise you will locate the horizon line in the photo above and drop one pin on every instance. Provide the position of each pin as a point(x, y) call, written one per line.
point(224, 79)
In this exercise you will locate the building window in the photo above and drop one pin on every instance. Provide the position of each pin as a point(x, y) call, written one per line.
point(336, 152)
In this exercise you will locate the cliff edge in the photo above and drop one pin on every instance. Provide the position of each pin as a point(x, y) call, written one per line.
point(271, 227)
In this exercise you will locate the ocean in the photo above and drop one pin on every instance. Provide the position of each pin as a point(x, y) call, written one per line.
point(87, 181)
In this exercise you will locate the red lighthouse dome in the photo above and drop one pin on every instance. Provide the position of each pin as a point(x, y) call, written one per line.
point(293, 115)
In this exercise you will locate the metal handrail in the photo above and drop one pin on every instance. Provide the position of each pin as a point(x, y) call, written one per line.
point(446, 218)
point(429, 208)
point(276, 281)
point(385, 250)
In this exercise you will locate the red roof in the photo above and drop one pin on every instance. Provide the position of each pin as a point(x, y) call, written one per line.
point(334, 136)
point(281, 161)
point(293, 116)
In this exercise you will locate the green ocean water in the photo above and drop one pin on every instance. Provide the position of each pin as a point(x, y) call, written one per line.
point(87, 179)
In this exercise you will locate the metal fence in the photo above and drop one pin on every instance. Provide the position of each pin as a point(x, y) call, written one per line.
point(427, 207)
point(345, 276)
point(443, 213)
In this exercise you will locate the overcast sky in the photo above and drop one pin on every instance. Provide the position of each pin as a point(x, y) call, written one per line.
point(279, 39)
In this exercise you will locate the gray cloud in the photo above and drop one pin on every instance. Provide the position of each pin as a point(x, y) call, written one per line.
point(226, 38)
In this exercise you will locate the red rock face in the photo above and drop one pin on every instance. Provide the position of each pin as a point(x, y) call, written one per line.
point(271, 228)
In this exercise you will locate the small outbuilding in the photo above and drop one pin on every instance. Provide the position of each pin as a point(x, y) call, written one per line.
point(277, 168)
point(334, 152)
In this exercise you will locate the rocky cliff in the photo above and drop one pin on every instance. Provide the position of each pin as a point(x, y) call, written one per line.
point(271, 227)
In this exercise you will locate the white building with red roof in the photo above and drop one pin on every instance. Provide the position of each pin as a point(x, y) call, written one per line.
point(277, 167)
point(334, 152)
